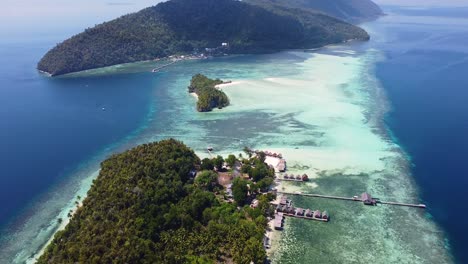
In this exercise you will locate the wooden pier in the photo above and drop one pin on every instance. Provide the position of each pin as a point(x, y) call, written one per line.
point(365, 198)
point(163, 66)
point(404, 204)
point(290, 180)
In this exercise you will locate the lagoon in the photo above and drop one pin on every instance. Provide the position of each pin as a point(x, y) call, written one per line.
point(328, 111)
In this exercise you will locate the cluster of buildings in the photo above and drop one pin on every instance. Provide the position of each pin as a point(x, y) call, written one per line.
point(271, 154)
point(285, 208)
point(299, 212)
point(221, 50)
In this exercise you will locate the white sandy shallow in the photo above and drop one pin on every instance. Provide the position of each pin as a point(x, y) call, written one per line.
point(330, 115)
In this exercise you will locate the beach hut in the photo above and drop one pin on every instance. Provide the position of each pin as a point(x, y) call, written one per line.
point(367, 199)
point(317, 214)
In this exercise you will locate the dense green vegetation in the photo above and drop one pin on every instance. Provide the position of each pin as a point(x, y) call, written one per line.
point(261, 178)
point(208, 96)
point(181, 26)
point(354, 11)
point(144, 207)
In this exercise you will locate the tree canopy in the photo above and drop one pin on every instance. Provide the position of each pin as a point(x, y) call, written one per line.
point(348, 10)
point(144, 208)
point(182, 26)
point(209, 96)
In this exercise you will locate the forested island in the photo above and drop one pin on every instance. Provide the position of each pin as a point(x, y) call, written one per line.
point(209, 96)
point(146, 207)
point(353, 11)
point(188, 26)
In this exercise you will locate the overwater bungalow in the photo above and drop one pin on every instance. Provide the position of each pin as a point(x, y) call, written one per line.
point(308, 213)
point(290, 210)
point(305, 177)
point(325, 215)
point(317, 214)
point(281, 167)
point(286, 176)
point(298, 177)
point(299, 212)
point(367, 199)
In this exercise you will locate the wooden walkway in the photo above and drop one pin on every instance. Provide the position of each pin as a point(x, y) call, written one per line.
point(291, 180)
point(163, 66)
point(351, 199)
point(306, 217)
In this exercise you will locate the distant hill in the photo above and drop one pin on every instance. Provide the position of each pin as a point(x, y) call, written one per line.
point(180, 26)
point(353, 11)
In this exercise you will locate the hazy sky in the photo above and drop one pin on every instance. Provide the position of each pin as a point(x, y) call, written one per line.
point(17, 16)
point(20, 17)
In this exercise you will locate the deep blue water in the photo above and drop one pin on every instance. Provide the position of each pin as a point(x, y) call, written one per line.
point(426, 78)
point(48, 126)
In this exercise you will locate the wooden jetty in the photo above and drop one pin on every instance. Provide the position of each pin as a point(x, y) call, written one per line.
point(365, 198)
point(404, 204)
point(163, 66)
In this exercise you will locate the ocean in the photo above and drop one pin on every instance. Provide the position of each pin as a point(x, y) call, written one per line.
point(387, 116)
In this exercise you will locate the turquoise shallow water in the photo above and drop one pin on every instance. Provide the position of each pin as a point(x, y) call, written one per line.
point(323, 110)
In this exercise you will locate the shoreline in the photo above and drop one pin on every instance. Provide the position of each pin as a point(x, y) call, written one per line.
point(61, 227)
point(372, 116)
point(188, 57)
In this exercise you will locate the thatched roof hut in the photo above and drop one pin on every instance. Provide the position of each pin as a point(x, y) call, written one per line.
point(367, 199)
point(299, 211)
point(317, 214)
point(325, 215)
